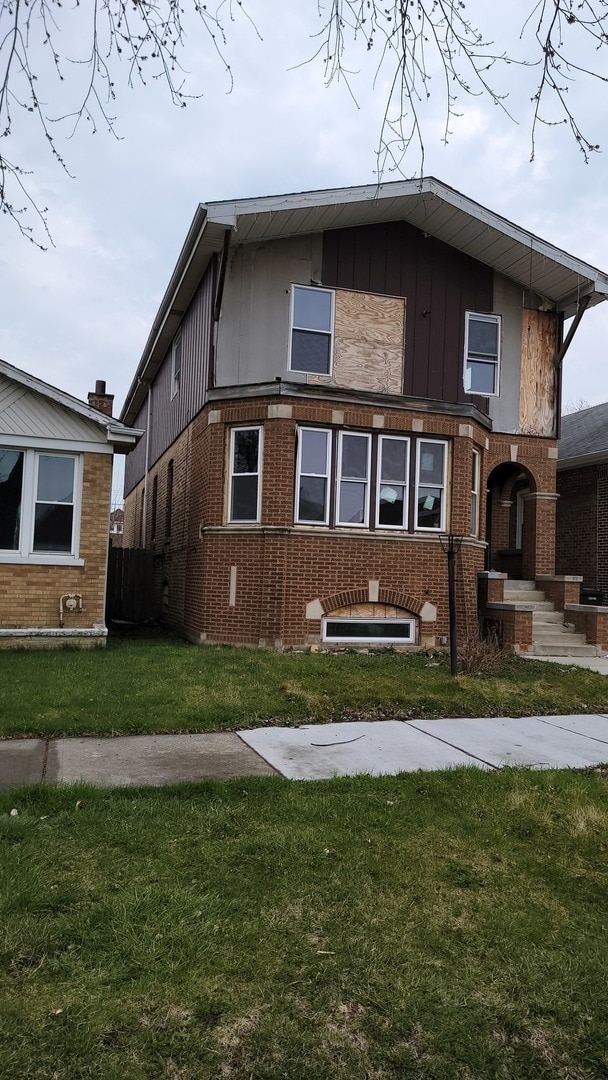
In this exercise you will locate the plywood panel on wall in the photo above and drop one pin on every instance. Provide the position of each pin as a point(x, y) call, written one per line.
point(369, 332)
point(537, 398)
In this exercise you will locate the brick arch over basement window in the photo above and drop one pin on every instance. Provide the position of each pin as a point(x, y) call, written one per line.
point(361, 596)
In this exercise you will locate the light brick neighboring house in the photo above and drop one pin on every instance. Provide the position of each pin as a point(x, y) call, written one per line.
point(582, 510)
point(56, 458)
point(335, 380)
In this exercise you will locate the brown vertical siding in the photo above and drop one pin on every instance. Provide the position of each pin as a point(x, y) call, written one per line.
point(436, 279)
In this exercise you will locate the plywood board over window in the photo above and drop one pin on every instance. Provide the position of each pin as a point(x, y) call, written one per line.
point(537, 397)
point(369, 334)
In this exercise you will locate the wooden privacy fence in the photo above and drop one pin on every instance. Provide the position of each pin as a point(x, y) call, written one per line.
point(130, 592)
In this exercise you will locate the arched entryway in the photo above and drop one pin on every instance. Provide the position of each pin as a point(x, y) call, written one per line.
point(512, 523)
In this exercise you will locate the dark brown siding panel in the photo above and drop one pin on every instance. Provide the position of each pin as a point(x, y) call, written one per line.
point(439, 283)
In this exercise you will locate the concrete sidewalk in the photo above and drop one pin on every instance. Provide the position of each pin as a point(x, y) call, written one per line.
point(311, 752)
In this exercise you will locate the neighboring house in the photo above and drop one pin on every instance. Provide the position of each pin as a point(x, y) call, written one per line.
point(117, 524)
point(56, 458)
point(333, 382)
point(582, 510)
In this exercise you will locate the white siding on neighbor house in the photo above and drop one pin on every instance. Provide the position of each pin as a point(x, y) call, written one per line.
point(253, 331)
point(27, 415)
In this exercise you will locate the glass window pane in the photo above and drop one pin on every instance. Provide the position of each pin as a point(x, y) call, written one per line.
point(354, 456)
point(473, 515)
point(431, 463)
point(391, 505)
point(11, 481)
point(55, 479)
point(244, 498)
point(394, 460)
point(314, 452)
point(373, 628)
point(53, 527)
point(310, 352)
point(352, 503)
point(246, 445)
point(429, 508)
point(481, 377)
point(483, 337)
point(312, 309)
point(312, 500)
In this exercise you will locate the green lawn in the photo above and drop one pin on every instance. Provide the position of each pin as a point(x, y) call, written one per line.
point(445, 926)
point(163, 685)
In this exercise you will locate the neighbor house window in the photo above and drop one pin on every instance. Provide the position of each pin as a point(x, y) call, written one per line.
point(154, 507)
point(475, 493)
point(372, 631)
point(353, 479)
point(176, 364)
point(169, 506)
point(313, 467)
point(430, 484)
point(312, 316)
point(391, 490)
point(481, 354)
point(245, 462)
point(39, 495)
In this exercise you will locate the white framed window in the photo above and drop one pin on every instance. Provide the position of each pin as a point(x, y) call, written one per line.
point(352, 502)
point(475, 493)
point(370, 631)
point(312, 322)
point(392, 482)
point(482, 354)
point(40, 497)
point(176, 363)
point(431, 463)
point(312, 476)
point(245, 474)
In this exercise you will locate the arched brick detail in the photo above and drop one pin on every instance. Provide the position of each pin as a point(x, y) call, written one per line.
point(361, 596)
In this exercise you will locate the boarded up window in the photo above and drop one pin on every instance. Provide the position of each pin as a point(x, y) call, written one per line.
point(537, 398)
point(369, 335)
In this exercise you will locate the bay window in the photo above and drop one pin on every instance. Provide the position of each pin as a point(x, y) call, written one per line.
point(430, 484)
point(353, 479)
point(245, 473)
point(313, 468)
point(392, 487)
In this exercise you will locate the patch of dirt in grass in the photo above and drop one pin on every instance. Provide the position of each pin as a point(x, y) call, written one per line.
point(295, 691)
point(343, 1027)
point(588, 819)
point(541, 1044)
point(233, 1039)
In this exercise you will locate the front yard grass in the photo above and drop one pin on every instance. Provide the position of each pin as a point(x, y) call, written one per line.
point(164, 685)
point(442, 926)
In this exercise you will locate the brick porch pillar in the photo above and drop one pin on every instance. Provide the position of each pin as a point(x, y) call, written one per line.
point(538, 543)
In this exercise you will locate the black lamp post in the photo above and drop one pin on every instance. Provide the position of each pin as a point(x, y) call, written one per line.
point(450, 545)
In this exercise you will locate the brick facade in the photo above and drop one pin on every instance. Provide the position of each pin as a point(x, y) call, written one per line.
point(30, 594)
point(579, 513)
point(258, 584)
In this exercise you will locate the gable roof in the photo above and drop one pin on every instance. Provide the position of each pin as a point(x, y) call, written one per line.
point(426, 203)
point(584, 437)
point(122, 437)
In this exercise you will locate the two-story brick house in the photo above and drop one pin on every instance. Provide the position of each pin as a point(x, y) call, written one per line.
point(333, 382)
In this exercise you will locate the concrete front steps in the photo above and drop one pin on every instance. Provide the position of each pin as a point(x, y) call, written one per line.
point(551, 635)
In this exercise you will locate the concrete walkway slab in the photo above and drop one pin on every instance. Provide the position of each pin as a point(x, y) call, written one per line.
point(21, 762)
point(383, 748)
point(133, 760)
point(593, 727)
point(592, 663)
point(522, 741)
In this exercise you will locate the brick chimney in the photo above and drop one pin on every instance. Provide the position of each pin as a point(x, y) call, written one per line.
point(98, 399)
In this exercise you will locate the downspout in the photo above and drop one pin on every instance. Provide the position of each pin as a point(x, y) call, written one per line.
point(146, 463)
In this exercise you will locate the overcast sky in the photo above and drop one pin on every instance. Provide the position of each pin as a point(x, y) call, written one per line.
point(82, 310)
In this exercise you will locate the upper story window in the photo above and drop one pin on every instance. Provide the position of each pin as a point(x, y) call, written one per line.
point(482, 354)
point(312, 317)
point(39, 495)
point(245, 473)
point(176, 363)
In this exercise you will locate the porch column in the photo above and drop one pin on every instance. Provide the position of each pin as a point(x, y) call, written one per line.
point(538, 543)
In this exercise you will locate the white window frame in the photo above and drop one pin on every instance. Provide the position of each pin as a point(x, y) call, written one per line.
point(348, 639)
point(176, 370)
point(326, 476)
point(29, 489)
point(443, 486)
point(325, 333)
point(232, 474)
point(482, 317)
point(353, 480)
point(475, 483)
point(394, 438)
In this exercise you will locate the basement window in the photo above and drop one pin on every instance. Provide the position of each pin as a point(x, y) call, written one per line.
point(369, 631)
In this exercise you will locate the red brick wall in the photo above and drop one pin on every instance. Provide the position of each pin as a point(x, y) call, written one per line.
point(577, 524)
